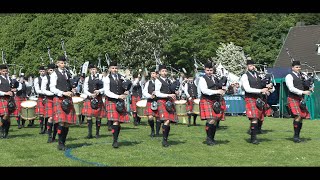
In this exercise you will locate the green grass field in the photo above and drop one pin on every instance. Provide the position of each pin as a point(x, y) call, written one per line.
point(25, 147)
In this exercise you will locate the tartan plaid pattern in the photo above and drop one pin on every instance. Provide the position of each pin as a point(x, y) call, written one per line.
point(4, 106)
point(223, 109)
point(18, 101)
point(133, 105)
point(164, 114)
point(251, 109)
point(189, 105)
point(149, 112)
point(294, 106)
point(89, 112)
point(48, 111)
point(40, 107)
point(206, 110)
point(60, 115)
point(113, 115)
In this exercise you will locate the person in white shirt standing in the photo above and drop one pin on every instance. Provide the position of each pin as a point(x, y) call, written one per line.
point(296, 103)
point(255, 106)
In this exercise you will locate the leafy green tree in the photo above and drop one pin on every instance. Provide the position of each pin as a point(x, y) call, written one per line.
point(140, 43)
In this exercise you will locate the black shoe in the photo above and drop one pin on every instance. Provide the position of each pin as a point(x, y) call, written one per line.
point(296, 140)
point(135, 124)
point(89, 137)
point(49, 140)
point(61, 147)
point(165, 144)
point(210, 142)
point(188, 125)
point(152, 134)
point(19, 126)
point(97, 136)
point(109, 128)
point(53, 140)
point(255, 141)
point(194, 124)
point(42, 132)
point(115, 144)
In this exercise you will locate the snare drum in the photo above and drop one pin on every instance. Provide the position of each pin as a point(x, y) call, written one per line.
point(180, 106)
point(77, 104)
point(28, 110)
point(33, 98)
point(141, 106)
point(196, 106)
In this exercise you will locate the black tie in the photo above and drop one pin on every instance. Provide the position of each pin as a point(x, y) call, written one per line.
point(64, 74)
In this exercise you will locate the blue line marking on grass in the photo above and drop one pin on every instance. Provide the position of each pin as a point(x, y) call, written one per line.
point(68, 154)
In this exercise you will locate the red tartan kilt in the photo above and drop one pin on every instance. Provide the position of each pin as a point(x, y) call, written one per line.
point(48, 112)
point(294, 106)
point(40, 107)
point(223, 109)
point(164, 114)
point(89, 112)
point(149, 112)
point(134, 100)
point(189, 105)
point(18, 101)
point(4, 105)
point(60, 115)
point(207, 112)
point(113, 115)
point(251, 109)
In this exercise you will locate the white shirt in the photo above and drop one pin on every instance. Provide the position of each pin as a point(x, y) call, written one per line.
point(86, 86)
point(203, 87)
point(53, 83)
point(37, 87)
point(289, 83)
point(145, 92)
point(158, 85)
point(44, 86)
point(106, 88)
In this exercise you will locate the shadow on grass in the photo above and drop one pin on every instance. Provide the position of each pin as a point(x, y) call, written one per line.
point(222, 128)
point(217, 142)
point(129, 143)
point(19, 135)
point(259, 140)
point(172, 142)
point(302, 139)
point(76, 145)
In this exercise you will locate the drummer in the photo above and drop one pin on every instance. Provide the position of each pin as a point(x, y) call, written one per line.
point(5, 93)
point(191, 92)
point(166, 100)
point(79, 92)
point(20, 96)
point(93, 91)
point(149, 93)
point(135, 97)
point(48, 103)
point(63, 109)
point(40, 106)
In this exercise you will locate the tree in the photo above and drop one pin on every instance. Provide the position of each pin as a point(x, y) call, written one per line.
point(232, 58)
point(267, 35)
point(140, 43)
